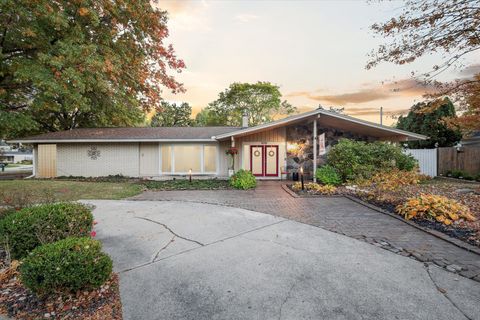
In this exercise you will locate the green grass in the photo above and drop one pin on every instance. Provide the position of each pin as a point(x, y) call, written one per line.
point(38, 190)
point(184, 184)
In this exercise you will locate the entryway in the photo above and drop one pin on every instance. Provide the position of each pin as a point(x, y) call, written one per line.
point(264, 160)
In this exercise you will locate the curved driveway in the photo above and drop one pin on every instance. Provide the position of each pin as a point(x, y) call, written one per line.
point(184, 260)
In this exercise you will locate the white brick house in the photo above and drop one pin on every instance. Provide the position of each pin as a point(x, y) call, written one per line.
point(170, 151)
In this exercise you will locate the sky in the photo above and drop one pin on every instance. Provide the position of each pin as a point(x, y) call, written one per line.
point(315, 51)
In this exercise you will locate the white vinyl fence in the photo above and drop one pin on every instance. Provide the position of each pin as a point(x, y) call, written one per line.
point(427, 160)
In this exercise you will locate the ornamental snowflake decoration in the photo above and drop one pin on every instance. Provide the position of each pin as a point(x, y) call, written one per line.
point(93, 153)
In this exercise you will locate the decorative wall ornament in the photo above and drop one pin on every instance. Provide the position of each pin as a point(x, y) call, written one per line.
point(256, 153)
point(93, 153)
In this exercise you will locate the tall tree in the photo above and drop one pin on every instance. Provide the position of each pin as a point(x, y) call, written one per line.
point(172, 115)
point(67, 64)
point(431, 123)
point(423, 27)
point(261, 101)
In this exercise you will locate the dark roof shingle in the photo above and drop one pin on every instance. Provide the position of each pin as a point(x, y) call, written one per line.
point(135, 133)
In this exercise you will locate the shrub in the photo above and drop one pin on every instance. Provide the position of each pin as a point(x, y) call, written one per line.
point(316, 188)
point(434, 207)
point(28, 228)
point(358, 159)
point(392, 180)
point(243, 179)
point(328, 175)
point(67, 265)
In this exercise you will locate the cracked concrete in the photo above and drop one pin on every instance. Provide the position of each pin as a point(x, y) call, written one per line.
point(198, 261)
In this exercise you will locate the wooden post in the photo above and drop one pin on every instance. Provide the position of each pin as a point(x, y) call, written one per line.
point(315, 150)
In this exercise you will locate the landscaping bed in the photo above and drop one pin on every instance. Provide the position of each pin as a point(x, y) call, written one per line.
point(50, 265)
point(185, 184)
point(18, 302)
point(467, 231)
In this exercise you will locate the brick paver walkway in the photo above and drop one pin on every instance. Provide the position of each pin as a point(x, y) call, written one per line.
point(340, 215)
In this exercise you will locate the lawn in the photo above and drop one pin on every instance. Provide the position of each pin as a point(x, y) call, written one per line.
point(37, 190)
point(185, 184)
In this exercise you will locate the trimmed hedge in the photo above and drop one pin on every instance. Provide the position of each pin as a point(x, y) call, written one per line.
point(360, 160)
point(30, 227)
point(67, 265)
point(328, 175)
point(243, 179)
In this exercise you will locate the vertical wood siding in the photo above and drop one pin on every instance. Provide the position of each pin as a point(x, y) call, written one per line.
point(47, 161)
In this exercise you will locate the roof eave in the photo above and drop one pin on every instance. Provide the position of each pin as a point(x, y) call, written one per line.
point(287, 120)
point(106, 140)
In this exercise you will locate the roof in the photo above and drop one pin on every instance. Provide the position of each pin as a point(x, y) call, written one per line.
point(330, 116)
point(144, 134)
point(135, 134)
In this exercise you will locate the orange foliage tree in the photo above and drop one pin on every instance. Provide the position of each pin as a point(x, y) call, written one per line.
point(450, 27)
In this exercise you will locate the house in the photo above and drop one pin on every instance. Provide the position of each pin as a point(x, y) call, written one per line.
point(10, 155)
point(269, 150)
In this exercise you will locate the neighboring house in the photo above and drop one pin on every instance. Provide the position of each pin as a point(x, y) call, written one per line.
point(15, 156)
point(268, 150)
point(472, 141)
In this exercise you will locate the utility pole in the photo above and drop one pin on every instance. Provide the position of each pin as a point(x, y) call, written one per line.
point(381, 116)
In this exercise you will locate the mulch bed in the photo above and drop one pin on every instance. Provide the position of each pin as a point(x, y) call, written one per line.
point(466, 231)
point(18, 302)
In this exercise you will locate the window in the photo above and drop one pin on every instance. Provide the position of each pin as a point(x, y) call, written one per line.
point(166, 158)
point(210, 158)
point(180, 158)
point(187, 157)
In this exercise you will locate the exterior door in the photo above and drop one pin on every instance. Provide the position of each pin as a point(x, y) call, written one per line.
point(271, 161)
point(256, 160)
point(264, 161)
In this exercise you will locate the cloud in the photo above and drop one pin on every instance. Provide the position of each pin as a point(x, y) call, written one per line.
point(405, 88)
point(245, 17)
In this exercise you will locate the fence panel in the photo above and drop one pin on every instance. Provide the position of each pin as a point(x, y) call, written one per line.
point(466, 159)
point(427, 160)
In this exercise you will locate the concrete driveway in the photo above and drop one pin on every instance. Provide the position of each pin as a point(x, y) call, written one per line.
point(181, 260)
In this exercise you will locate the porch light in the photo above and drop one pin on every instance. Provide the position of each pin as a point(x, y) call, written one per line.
point(301, 178)
point(190, 175)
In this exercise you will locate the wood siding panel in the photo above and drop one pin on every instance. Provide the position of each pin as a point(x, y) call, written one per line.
point(47, 161)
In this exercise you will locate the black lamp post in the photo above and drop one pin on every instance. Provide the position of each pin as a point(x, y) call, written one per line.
point(301, 178)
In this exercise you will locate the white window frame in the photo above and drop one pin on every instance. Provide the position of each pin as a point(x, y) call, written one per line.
point(201, 155)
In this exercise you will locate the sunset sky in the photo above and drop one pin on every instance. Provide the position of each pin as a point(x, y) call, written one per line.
point(316, 51)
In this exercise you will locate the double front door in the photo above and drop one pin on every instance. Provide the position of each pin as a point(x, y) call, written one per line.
point(264, 160)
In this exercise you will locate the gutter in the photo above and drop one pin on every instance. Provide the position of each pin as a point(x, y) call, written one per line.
point(106, 140)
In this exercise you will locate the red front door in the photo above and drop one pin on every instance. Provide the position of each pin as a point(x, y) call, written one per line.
point(264, 160)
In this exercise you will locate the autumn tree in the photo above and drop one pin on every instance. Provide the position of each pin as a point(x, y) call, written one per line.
point(261, 101)
point(431, 124)
point(449, 27)
point(67, 64)
point(172, 115)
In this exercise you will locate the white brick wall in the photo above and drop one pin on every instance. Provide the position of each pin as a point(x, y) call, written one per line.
point(115, 158)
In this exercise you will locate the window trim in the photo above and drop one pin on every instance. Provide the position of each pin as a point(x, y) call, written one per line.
point(201, 155)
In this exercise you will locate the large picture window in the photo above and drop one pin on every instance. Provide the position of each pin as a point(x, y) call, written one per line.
point(180, 158)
